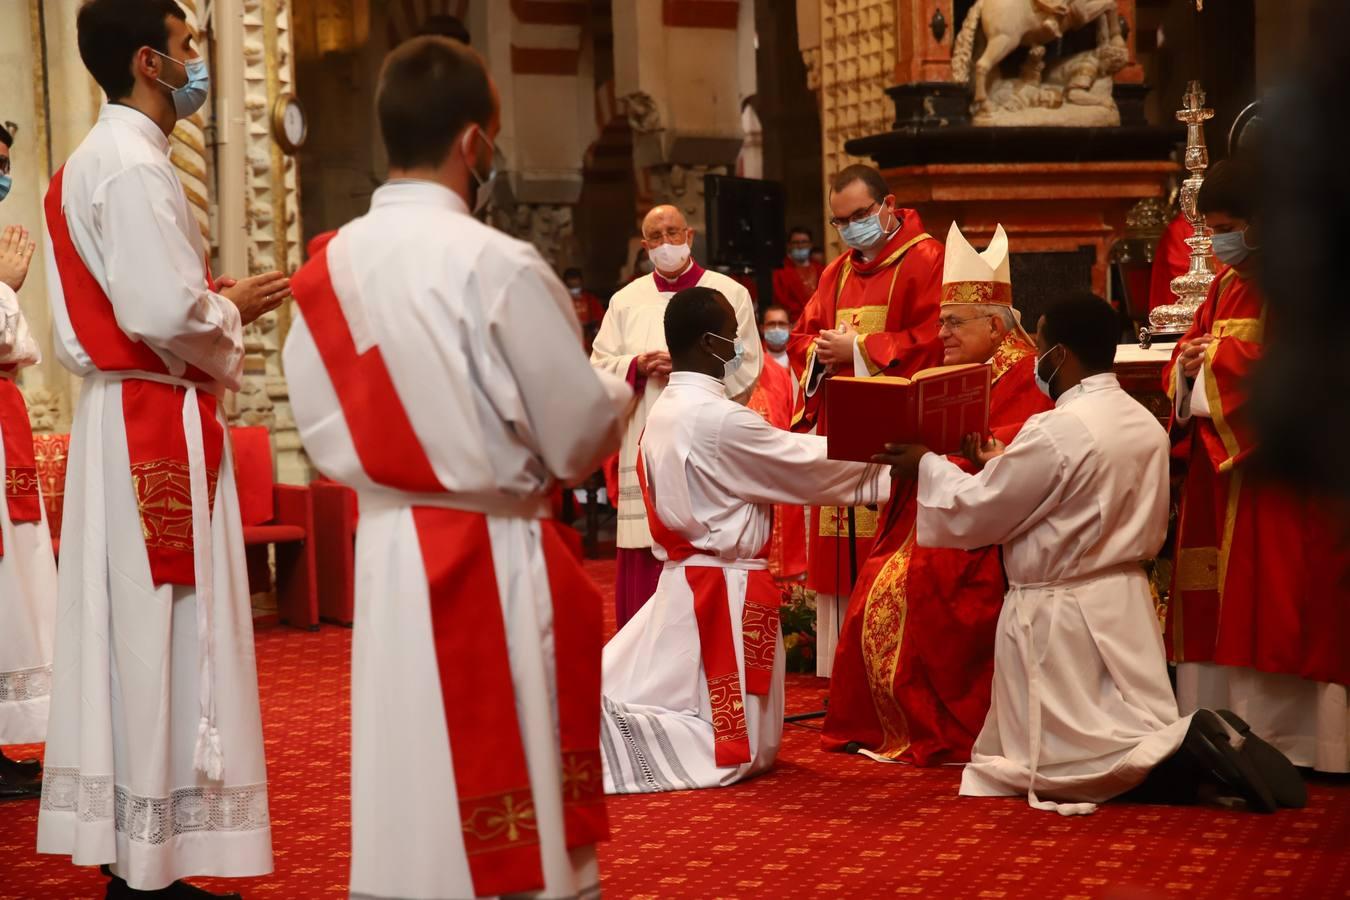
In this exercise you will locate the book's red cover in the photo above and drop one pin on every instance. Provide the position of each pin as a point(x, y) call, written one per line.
point(865, 414)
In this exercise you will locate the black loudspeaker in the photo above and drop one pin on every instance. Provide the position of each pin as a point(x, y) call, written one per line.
point(745, 227)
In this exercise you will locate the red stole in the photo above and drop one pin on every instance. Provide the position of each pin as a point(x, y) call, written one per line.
point(156, 442)
point(496, 805)
point(712, 611)
point(21, 482)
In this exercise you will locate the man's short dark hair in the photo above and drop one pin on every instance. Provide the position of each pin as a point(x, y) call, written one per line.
point(1087, 325)
point(110, 32)
point(1230, 186)
point(430, 89)
point(5, 137)
point(445, 26)
point(801, 229)
point(690, 314)
point(868, 175)
point(572, 272)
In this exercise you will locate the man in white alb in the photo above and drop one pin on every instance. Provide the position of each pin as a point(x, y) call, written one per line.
point(693, 684)
point(1082, 709)
point(154, 758)
point(435, 366)
point(631, 344)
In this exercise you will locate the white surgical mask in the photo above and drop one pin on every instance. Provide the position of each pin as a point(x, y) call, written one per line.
point(574, 291)
point(190, 97)
point(737, 354)
point(776, 336)
point(670, 257)
point(1044, 383)
point(1230, 248)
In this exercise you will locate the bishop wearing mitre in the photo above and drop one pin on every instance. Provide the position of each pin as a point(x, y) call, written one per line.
point(915, 659)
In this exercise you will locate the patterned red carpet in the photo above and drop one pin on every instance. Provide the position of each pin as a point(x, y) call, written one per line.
point(821, 825)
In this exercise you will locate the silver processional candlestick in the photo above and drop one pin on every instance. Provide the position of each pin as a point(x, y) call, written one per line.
point(1171, 321)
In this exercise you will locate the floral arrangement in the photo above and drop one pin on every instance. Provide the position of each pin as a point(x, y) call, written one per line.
point(798, 619)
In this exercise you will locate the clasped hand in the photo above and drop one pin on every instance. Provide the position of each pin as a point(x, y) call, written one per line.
point(256, 295)
point(1193, 354)
point(835, 348)
point(655, 364)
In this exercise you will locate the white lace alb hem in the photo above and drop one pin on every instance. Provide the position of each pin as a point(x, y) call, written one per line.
point(155, 820)
point(25, 684)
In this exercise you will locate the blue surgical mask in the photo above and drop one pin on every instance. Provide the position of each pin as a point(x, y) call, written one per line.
point(865, 234)
point(1231, 248)
point(737, 354)
point(1044, 383)
point(800, 255)
point(190, 97)
point(776, 336)
point(5, 183)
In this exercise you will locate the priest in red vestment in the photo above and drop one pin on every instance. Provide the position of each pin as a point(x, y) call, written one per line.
point(1260, 600)
point(795, 280)
point(915, 661)
point(874, 313)
point(776, 398)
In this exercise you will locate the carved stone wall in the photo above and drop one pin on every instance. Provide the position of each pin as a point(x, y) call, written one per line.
point(273, 228)
point(187, 148)
point(856, 60)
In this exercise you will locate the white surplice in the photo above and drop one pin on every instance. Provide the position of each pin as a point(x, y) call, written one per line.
point(635, 324)
point(120, 784)
point(715, 470)
point(483, 347)
point(1307, 721)
point(27, 577)
point(1082, 708)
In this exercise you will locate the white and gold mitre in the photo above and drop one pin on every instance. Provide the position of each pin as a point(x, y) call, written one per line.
point(969, 276)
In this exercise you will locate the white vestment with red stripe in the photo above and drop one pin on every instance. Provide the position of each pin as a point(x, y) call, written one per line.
point(483, 353)
point(713, 470)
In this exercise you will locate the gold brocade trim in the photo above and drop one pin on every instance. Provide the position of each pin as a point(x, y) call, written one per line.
point(727, 708)
point(883, 632)
point(1250, 330)
point(164, 495)
point(1230, 442)
point(759, 636)
point(583, 780)
point(834, 521)
point(847, 269)
point(1010, 352)
point(498, 821)
point(863, 319)
point(21, 481)
point(996, 293)
point(1197, 569)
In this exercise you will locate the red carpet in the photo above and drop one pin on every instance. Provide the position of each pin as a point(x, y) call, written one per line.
point(821, 825)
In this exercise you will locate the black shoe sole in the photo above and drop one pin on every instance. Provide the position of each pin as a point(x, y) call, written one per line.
point(1282, 775)
point(1207, 742)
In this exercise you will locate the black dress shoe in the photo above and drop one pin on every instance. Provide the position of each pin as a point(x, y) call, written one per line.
point(22, 769)
point(12, 788)
point(1206, 743)
point(181, 890)
point(1281, 774)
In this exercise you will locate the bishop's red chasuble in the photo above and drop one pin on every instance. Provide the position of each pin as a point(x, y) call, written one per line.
point(776, 398)
point(915, 661)
point(1260, 578)
point(892, 301)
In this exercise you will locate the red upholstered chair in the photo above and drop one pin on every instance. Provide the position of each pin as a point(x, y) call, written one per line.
point(334, 549)
point(50, 452)
point(280, 516)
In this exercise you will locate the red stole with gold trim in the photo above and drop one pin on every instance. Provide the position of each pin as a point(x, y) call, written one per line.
point(496, 805)
point(156, 443)
point(712, 612)
point(21, 482)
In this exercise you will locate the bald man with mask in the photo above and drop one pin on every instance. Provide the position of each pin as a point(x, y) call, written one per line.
point(631, 343)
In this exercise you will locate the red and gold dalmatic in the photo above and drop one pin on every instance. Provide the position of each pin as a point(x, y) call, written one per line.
point(776, 399)
point(892, 302)
point(1259, 576)
point(496, 804)
point(912, 673)
point(21, 477)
